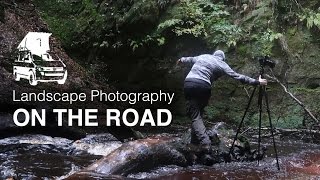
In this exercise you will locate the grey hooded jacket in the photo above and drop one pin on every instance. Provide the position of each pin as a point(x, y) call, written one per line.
point(208, 68)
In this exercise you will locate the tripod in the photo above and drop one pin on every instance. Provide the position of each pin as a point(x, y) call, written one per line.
point(262, 93)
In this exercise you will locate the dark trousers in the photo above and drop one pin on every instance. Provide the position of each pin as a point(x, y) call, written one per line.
point(197, 95)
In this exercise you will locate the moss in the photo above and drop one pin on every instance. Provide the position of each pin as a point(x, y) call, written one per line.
point(68, 19)
point(62, 29)
point(58, 15)
point(297, 40)
point(301, 45)
point(243, 50)
point(307, 90)
point(143, 10)
point(106, 30)
point(181, 120)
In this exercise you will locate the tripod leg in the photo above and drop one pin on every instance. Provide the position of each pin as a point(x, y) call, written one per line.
point(241, 122)
point(271, 128)
point(260, 115)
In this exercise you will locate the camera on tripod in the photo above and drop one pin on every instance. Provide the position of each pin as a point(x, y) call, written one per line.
point(266, 61)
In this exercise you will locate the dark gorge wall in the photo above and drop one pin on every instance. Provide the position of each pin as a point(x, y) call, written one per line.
point(133, 45)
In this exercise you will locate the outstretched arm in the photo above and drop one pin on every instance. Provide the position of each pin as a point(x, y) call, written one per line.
point(243, 78)
point(190, 60)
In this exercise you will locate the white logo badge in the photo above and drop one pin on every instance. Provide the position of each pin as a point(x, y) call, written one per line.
point(35, 63)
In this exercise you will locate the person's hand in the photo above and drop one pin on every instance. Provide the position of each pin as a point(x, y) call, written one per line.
point(263, 82)
point(178, 62)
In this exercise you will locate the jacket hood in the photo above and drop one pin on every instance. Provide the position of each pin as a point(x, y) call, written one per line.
point(219, 54)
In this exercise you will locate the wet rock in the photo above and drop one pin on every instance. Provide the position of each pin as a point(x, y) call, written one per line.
point(136, 156)
point(308, 164)
point(145, 154)
point(98, 144)
point(2, 14)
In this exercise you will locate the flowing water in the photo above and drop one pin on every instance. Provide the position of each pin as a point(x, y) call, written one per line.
point(43, 157)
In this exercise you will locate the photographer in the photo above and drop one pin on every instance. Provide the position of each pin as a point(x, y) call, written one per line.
point(206, 69)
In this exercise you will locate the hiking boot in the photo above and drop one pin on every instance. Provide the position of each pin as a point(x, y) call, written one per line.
point(205, 148)
point(207, 160)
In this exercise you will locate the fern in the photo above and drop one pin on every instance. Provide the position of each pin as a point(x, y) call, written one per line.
point(312, 18)
point(169, 23)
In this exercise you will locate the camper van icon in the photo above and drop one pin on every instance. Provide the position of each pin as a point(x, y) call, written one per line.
point(34, 63)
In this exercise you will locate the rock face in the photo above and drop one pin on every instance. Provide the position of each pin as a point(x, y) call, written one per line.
point(145, 38)
point(145, 154)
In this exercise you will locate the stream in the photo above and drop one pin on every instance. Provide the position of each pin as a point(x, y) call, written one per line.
point(44, 157)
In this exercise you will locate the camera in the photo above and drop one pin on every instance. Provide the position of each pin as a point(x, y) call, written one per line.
point(266, 61)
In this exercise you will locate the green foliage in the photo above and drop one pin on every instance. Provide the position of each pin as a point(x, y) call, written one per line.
point(68, 20)
point(182, 120)
point(293, 118)
point(212, 112)
point(258, 30)
point(307, 90)
point(260, 15)
point(147, 24)
point(62, 24)
point(311, 17)
point(89, 18)
point(224, 32)
point(135, 44)
point(202, 19)
point(169, 23)
point(264, 42)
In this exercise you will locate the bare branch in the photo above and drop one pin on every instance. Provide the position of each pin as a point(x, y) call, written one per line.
point(284, 131)
point(245, 89)
point(294, 98)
